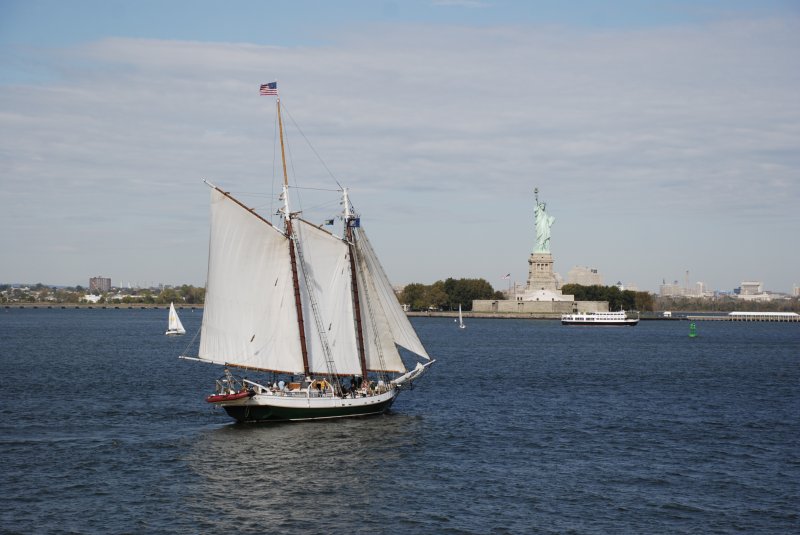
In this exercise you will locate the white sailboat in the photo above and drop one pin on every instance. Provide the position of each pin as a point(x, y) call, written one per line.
point(314, 312)
point(174, 325)
point(460, 318)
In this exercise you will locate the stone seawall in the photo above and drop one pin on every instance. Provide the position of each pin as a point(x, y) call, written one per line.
point(547, 308)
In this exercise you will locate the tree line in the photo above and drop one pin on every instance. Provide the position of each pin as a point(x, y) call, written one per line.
point(40, 293)
point(447, 294)
point(725, 303)
point(617, 299)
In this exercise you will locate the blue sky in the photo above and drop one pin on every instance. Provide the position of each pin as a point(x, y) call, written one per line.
point(664, 136)
point(288, 23)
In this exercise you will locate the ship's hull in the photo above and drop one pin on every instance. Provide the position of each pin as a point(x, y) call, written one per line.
point(272, 408)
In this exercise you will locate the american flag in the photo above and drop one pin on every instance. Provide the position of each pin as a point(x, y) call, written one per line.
point(269, 89)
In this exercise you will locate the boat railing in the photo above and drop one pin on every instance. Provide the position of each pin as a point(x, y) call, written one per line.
point(293, 390)
point(296, 393)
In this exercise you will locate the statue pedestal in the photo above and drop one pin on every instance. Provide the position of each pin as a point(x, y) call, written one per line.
point(542, 284)
point(540, 273)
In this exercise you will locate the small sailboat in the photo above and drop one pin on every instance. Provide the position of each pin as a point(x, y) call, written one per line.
point(313, 312)
point(174, 325)
point(460, 318)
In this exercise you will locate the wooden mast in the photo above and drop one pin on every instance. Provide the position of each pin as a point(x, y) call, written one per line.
point(348, 215)
point(292, 253)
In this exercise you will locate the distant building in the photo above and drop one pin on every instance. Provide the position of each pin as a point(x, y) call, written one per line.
point(751, 288)
point(795, 291)
point(584, 276)
point(100, 284)
point(753, 291)
point(630, 287)
point(671, 290)
point(677, 290)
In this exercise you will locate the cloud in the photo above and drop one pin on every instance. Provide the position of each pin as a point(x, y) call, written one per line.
point(441, 138)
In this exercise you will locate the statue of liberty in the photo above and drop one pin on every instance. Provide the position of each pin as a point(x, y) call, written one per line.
point(543, 224)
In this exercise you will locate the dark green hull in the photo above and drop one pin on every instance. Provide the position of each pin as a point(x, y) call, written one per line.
point(268, 413)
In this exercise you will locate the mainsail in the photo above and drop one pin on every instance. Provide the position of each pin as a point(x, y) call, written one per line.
point(174, 324)
point(249, 307)
point(327, 302)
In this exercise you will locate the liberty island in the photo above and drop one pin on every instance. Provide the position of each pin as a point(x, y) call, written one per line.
point(542, 296)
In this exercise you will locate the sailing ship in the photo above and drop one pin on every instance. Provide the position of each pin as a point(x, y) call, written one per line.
point(313, 312)
point(460, 319)
point(174, 325)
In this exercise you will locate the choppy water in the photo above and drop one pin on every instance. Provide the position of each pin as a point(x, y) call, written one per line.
point(521, 427)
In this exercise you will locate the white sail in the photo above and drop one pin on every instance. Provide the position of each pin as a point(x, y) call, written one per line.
point(250, 317)
point(326, 263)
point(401, 330)
point(379, 347)
point(174, 325)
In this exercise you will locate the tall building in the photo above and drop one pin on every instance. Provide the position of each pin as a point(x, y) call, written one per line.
point(584, 276)
point(100, 284)
point(671, 290)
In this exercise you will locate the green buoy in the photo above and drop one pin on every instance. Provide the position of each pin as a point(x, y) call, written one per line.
point(692, 330)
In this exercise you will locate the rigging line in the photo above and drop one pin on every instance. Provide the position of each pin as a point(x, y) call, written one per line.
point(274, 164)
point(291, 164)
point(195, 334)
point(323, 337)
point(323, 204)
point(256, 194)
point(315, 189)
point(312, 146)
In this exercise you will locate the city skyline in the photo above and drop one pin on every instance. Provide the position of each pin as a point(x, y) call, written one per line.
point(663, 138)
point(674, 288)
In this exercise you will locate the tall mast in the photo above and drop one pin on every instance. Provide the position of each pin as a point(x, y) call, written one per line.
point(348, 216)
point(287, 215)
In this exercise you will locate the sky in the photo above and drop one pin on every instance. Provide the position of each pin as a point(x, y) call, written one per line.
point(664, 136)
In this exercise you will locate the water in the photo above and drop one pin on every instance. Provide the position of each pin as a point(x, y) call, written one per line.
point(521, 427)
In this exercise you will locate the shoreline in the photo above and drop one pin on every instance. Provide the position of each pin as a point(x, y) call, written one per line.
point(652, 316)
point(524, 315)
point(140, 306)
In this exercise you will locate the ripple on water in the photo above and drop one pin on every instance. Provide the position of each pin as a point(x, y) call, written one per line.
point(520, 427)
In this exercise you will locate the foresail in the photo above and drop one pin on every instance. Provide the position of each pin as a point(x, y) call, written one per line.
point(327, 269)
point(178, 324)
point(401, 329)
point(174, 325)
point(249, 318)
point(381, 351)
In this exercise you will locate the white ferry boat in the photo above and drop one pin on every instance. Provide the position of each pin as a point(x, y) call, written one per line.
point(599, 318)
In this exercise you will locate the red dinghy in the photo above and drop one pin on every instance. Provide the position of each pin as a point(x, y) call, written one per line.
point(216, 398)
